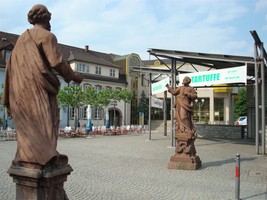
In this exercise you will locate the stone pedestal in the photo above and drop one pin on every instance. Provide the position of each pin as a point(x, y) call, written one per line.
point(40, 184)
point(185, 157)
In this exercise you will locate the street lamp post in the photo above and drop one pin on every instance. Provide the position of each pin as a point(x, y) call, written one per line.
point(199, 104)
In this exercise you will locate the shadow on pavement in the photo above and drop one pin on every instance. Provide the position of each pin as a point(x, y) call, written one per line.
point(223, 162)
point(215, 141)
point(261, 196)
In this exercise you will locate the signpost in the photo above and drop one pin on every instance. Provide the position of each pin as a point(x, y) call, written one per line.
point(156, 103)
point(160, 86)
point(156, 88)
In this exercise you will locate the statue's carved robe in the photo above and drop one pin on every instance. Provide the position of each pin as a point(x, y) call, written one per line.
point(183, 109)
point(30, 94)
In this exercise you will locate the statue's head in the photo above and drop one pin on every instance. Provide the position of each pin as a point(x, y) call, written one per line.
point(39, 14)
point(186, 80)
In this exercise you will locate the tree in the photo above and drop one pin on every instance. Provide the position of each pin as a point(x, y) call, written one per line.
point(73, 97)
point(97, 100)
point(104, 97)
point(143, 107)
point(90, 96)
point(125, 95)
point(241, 104)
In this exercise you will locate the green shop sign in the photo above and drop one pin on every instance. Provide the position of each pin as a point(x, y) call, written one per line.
point(221, 76)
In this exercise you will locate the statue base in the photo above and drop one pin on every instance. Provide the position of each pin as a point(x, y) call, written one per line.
point(39, 184)
point(185, 157)
point(184, 164)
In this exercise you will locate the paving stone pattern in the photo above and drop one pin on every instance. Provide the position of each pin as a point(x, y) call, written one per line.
point(131, 167)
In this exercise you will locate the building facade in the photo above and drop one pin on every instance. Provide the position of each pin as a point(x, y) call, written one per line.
point(111, 71)
point(100, 71)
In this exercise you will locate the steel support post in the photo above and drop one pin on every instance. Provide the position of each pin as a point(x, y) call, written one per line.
point(256, 99)
point(237, 177)
point(262, 101)
point(173, 85)
point(149, 111)
point(165, 113)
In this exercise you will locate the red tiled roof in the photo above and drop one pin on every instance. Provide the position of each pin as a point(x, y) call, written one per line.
point(78, 54)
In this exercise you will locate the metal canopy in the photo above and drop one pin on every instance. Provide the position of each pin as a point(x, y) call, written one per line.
point(255, 68)
point(154, 70)
point(211, 61)
point(214, 61)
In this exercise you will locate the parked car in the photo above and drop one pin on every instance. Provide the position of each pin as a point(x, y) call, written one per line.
point(242, 121)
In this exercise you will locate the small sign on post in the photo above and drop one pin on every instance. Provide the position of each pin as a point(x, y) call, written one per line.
point(159, 86)
point(156, 103)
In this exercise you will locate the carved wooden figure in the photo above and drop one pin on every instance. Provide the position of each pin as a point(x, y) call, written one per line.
point(185, 153)
point(31, 86)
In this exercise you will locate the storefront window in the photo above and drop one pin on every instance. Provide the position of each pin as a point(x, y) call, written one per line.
point(218, 110)
point(201, 110)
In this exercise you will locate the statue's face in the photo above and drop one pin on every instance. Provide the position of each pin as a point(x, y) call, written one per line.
point(186, 83)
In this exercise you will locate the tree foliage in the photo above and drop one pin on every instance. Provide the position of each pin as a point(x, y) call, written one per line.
point(240, 108)
point(123, 94)
point(143, 107)
point(72, 96)
point(75, 97)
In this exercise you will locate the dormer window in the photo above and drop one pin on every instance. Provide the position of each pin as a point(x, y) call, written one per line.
point(81, 67)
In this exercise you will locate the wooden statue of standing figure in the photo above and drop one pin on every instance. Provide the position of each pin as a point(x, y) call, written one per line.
point(185, 153)
point(30, 94)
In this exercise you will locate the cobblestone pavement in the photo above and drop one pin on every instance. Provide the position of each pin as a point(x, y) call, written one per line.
point(132, 167)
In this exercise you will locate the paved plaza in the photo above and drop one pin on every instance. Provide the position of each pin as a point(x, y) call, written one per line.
point(131, 167)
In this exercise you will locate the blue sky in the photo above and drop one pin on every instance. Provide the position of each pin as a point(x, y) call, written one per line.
point(133, 26)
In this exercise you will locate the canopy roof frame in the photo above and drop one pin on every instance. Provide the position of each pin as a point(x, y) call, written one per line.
point(260, 57)
point(219, 61)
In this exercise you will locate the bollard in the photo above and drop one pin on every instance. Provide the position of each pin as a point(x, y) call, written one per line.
point(237, 177)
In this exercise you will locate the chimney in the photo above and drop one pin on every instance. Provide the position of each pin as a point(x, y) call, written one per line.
point(86, 48)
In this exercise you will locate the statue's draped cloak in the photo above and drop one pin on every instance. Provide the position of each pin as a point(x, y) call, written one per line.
point(184, 109)
point(30, 94)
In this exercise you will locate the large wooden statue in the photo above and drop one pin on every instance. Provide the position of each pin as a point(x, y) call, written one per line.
point(31, 86)
point(185, 152)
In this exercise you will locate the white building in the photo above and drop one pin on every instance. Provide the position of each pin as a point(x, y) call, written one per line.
point(99, 71)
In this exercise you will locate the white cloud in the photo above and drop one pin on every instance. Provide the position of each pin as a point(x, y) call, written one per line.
point(261, 5)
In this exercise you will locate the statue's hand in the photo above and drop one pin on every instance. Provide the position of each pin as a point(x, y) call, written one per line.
point(167, 85)
point(77, 77)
